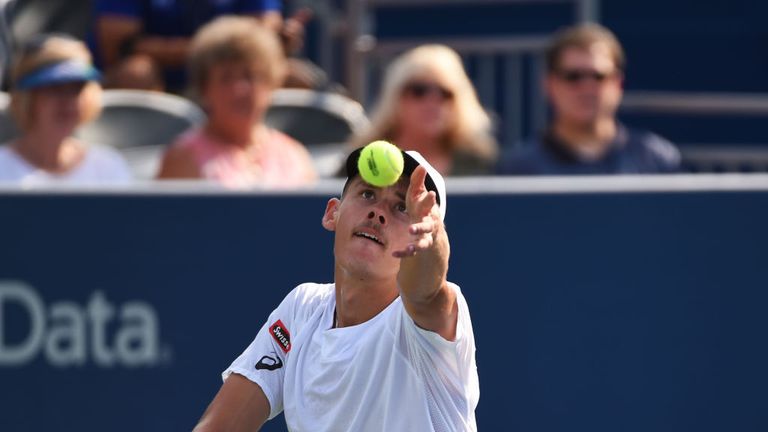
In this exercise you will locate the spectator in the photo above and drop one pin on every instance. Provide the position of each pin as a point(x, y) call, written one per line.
point(428, 104)
point(234, 65)
point(584, 80)
point(144, 44)
point(54, 90)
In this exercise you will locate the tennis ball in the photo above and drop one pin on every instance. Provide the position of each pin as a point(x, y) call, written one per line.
point(380, 163)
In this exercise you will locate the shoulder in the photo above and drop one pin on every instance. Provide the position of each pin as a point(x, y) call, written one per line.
point(5, 151)
point(292, 152)
point(656, 147)
point(9, 162)
point(305, 299)
point(180, 159)
point(522, 159)
point(310, 295)
point(311, 292)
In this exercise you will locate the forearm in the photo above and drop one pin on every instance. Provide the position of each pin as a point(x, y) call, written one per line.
point(423, 275)
point(424, 288)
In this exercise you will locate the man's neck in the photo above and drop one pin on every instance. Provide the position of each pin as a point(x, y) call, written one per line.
point(358, 299)
point(589, 140)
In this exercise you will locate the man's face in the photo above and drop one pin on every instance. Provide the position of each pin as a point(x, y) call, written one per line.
point(369, 223)
point(586, 86)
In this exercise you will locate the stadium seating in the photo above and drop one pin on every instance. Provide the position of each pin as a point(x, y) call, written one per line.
point(139, 124)
point(321, 121)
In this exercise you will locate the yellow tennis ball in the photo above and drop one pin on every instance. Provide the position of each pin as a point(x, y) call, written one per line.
point(380, 163)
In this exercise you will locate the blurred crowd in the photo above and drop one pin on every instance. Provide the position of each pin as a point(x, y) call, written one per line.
point(231, 57)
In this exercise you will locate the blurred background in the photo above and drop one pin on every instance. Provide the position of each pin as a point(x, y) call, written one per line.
point(695, 72)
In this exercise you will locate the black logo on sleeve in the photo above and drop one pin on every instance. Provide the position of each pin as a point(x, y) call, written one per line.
point(269, 363)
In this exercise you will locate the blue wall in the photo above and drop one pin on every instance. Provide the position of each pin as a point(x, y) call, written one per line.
point(598, 312)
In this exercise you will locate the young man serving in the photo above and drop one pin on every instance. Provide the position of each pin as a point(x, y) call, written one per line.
point(387, 347)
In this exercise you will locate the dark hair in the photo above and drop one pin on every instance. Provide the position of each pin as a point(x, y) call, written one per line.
point(583, 36)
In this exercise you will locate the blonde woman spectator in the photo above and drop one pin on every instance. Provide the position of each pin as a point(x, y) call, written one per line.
point(234, 66)
point(54, 90)
point(428, 104)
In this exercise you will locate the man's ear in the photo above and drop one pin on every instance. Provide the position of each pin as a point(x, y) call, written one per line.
point(331, 214)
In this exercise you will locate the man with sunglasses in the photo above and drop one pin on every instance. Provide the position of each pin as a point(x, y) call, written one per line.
point(584, 84)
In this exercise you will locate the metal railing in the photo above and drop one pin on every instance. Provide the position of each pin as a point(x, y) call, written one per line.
point(707, 157)
point(361, 44)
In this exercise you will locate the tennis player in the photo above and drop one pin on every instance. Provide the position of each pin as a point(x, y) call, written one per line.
point(387, 347)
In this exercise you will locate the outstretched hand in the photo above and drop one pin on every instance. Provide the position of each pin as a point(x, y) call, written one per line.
point(423, 213)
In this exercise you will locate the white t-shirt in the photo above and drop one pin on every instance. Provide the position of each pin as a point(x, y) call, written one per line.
point(385, 374)
point(101, 165)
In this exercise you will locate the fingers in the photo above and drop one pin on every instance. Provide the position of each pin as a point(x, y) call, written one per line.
point(424, 227)
point(409, 250)
point(422, 243)
point(416, 186)
point(423, 208)
point(423, 238)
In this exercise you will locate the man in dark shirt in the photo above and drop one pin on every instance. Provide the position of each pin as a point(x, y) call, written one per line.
point(585, 73)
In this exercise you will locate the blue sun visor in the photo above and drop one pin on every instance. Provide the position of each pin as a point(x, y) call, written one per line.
point(59, 73)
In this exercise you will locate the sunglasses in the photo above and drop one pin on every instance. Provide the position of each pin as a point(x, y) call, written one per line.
point(576, 76)
point(420, 90)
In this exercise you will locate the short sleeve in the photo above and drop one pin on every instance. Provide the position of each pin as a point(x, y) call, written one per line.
point(432, 341)
point(447, 368)
point(263, 362)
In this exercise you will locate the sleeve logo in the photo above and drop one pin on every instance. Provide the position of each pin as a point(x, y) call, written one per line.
point(280, 333)
point(269, 363)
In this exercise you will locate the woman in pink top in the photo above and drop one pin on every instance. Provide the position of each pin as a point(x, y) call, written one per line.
point(234, 66)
